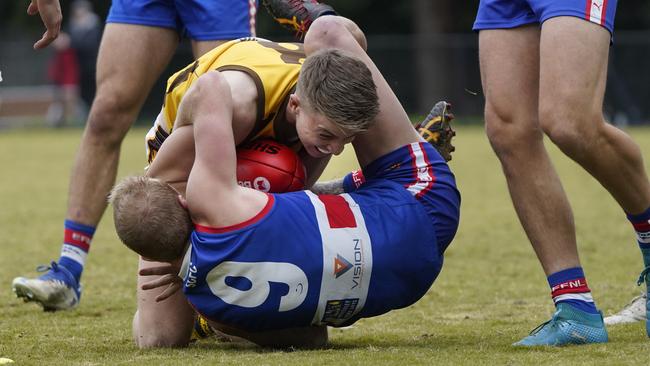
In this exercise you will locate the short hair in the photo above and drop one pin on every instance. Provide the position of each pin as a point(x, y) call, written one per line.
point(149, 219)
point(340, 87)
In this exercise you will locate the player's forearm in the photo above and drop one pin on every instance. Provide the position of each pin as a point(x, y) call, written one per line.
point(329, 187)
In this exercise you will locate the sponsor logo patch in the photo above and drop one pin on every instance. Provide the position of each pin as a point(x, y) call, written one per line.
point(337, 310)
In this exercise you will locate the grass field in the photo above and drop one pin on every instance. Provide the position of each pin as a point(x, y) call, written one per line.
point(490, 293)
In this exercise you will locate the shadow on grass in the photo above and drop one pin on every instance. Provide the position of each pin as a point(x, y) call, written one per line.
point(430, 341)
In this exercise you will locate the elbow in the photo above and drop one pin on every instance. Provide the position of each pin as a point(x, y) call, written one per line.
point(325, 32)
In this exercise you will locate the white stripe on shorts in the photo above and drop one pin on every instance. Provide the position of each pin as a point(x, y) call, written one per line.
point(424, 177)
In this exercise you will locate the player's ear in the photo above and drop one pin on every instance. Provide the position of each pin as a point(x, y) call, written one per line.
point(294, 102)
point(182, 201)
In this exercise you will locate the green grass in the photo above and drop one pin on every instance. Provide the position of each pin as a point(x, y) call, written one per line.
point(491, 291)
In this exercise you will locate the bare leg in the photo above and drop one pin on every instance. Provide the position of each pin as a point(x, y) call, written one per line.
point(123, 83)
point(130, 60)
point(572, 87)
point(572, 117)
point(509, 69)
point(200, 48)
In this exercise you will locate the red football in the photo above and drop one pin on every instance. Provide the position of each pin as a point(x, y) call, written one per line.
point(269, 166)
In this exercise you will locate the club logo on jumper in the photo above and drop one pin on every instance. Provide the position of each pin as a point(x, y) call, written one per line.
point(337, 310)
point(341, 265)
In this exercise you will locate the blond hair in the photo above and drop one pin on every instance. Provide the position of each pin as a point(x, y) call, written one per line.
point(340, 87)
point(149, 219)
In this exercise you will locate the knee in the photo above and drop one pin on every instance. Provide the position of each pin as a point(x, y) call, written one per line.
point(157, 338)
point(573, 130)
point(510, 132)
point(325, 32)
point(110, 118)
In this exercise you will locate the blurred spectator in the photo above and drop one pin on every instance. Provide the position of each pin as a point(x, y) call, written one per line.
point(85, 30)
point(63, 72)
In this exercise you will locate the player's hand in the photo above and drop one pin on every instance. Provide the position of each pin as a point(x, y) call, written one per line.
point(50, 12)
point(168, 277)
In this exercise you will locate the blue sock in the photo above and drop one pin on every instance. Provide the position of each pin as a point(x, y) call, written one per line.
point(641, 224)
point(569, 286)
point(76, 243)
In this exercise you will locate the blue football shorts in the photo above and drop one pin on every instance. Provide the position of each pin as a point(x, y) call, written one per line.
point(500, 14)
point(200, 20)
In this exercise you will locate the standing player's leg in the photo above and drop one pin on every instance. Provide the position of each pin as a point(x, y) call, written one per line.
point(510, 71)
point(572, 88)
point(131, 58)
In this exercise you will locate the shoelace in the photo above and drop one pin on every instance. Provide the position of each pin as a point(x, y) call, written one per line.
point(552, 321)
point(642, 276)
point(55, 268)
point(44, 267)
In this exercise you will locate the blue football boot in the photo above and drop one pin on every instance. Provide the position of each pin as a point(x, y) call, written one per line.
point(57, 289)
point(567, 326)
